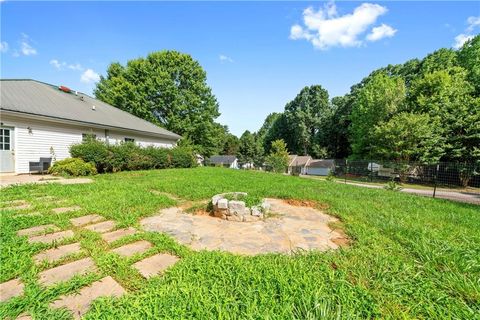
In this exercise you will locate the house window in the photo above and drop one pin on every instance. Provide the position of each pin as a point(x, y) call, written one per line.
point(88, 136)
point(129, 140)
point(4, 139)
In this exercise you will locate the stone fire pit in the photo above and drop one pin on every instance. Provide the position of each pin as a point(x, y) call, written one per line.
point(228, 206)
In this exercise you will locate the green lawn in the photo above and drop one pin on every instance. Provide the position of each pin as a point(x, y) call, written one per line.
point(411, 257)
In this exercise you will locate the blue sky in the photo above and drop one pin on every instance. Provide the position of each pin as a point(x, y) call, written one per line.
point(258, 55)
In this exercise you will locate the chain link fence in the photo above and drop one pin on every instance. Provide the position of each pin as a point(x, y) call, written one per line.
point(450, 175)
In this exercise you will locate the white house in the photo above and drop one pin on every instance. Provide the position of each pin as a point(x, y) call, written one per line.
point(298, 164)
point(42, 120)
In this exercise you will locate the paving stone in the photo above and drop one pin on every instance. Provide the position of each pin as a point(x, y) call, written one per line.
point(37, 230)
point(51, 237)
point(118, 234)
point(130, 249)
point(54, 254)
point(79, 304)
point(66, 209)
point(67, 271)
point(29, 214)
point(91, 218)
point(10, 289)
point(102, 226)
point(15, 205)
point(153, 265)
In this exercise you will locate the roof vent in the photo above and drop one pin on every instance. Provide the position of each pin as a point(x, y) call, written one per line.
point(65, 89)
point(93, 108)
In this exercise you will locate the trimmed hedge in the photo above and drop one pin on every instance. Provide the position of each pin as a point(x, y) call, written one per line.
point(72, 167)
point(129, 156)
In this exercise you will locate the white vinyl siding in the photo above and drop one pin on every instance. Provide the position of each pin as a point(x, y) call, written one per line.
point(38, 138)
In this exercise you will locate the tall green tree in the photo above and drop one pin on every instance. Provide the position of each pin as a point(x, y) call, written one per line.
point(305, 116)
point(408, 137)
point(278, 157)
point(250, 150)
point(469, 59)
point(446, 95)
point(231, 144)
point(377, 101)
point(167, 88)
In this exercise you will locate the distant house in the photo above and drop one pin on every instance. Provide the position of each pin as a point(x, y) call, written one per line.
point(39, 120)
point(224, 161)
point(298, 164)
point(319, 167)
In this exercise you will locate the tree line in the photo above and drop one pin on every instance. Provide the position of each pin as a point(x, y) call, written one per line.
point(425, 110)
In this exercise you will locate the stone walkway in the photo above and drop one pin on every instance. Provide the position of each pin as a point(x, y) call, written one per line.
point(289, 229)
point(79, 303)
point(11, 179)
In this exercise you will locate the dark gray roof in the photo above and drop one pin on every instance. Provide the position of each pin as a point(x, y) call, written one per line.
point(222, 159)
point(42, 99)
point(325, 163)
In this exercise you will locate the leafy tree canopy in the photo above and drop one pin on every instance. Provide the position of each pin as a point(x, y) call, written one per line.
point(167, 88)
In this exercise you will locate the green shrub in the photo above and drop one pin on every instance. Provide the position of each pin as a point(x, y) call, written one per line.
point(120, 155)
point(140, 161)
point(392, 185)
point(182, 157)
point(160, 157)
point(93, 151)
point(330, 176)
point(72, 167)
point(129, 156)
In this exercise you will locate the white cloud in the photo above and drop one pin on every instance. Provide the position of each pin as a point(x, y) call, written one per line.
point(472, 24)
point(325, 28)
point(383, 31)
point(62, 65)
point(461, 39)
point(89, 76)
point(57, 64)
point(25, 47)
point(224, 58)
point(3, 46)
point(76, 66)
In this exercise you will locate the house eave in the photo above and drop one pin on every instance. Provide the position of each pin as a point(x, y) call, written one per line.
point(85, 123)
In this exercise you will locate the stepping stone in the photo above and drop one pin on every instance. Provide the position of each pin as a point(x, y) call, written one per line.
point(37, 230)
point(10, 289)
point(130, 249)
point(67, 271)
point(91, 218)
point(24, 316)
point(102, 226)
point(151, 266)
point(54, 254)
point(49, 238)
point(15, 205)
point(79, 304)
point(117, 234)
point(66, 209)
point(29, 214)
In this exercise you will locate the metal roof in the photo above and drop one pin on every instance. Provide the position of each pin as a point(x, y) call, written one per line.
point(37, 98)
point(222, 159)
